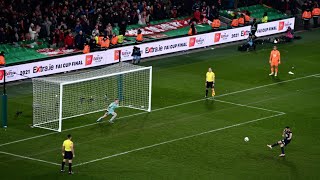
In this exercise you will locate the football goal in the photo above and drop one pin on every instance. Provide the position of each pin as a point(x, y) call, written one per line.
point(68, 96)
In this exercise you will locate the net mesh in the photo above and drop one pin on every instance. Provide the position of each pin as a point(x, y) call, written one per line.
point(89, 92)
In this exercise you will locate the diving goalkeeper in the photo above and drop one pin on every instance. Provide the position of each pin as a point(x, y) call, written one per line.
point(110, 110)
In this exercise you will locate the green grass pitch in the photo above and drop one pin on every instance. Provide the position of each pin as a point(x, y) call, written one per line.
point(185, 136)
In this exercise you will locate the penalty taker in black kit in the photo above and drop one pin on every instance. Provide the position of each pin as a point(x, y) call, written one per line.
point(110, 111)
point(287, 136)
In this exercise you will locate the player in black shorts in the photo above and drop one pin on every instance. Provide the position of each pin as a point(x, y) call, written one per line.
point(287, 136)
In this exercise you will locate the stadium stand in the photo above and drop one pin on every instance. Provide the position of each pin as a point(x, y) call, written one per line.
point(40, 33)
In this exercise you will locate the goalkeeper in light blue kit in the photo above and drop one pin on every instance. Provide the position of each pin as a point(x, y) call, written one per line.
point(110, 110)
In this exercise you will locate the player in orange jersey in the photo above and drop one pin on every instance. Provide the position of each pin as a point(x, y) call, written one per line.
point(274, 61)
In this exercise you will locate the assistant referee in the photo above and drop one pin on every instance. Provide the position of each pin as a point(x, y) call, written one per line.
point(210, 79)
point(67, 153)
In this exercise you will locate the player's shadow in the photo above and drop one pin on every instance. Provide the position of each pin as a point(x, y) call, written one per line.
point(210, 104)
point(294, 170)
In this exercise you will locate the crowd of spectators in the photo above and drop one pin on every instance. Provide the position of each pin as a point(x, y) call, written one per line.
point(70, 23)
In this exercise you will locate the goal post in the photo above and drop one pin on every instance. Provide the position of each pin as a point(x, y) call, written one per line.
point(69, 96)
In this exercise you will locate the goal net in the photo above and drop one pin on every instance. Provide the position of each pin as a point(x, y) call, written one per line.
point(68, 96)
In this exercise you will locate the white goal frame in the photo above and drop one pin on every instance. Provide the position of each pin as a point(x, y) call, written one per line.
point(63, 84)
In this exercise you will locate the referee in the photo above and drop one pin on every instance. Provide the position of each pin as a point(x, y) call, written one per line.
point(67, 153)
point(210, 78)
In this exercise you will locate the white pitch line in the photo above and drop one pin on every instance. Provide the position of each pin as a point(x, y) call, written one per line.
point(159, 109)
point(248, 106)
point(178, 139)
point(29, 158)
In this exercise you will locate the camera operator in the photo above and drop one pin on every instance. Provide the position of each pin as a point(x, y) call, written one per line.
point(136, 55)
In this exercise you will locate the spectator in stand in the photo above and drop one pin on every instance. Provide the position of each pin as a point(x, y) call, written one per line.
point(108, 30)
point(235, 22)
point(122, 27)
point(174, 12)
point(197, 15)
point(69, 41)
point(192, 31)
point(213, 12)
point(315, 14)
point(264, 18)
point(93, 44)
point(32, 31)
point(80, 39)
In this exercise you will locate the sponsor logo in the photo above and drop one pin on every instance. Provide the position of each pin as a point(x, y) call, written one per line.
point(39, 69)
point(160, 48)
point(235, 35)
point(281, 25)
point(287, 24)
point(91, 58)
point(245, 33)
point(263, 30)
point(10, 74)
point(217, 37)
point(1, 74)
point(69, 64)
point(117, 55)
point(88, 60)
point(193, 41)
point(200, 41)
point(126, 53)
point(224, 36)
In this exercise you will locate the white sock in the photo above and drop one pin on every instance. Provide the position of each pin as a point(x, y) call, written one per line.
point(113, 117)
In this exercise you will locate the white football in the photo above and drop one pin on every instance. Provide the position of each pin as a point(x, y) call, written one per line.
point(246, 139)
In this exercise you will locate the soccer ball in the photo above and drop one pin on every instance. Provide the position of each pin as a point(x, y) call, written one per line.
point(246, 139)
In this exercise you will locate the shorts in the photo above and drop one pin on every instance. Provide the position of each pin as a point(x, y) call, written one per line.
point(68, 155)
point(109, 113)
point(274, 63)
point(285, 142)
point(209, 84)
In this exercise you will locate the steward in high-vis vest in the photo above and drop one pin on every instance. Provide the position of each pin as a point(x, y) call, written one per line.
point(315, 15)
point(306, 16)
point(216, 23)
point(234, 22)
point(139, 37)
point(241, 20)
point(86, 48)
point(2, 59)
point(120, 39)
point(114, 40)
point(105, 43)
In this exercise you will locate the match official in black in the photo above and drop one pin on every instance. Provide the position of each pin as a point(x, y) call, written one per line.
point(67, 153)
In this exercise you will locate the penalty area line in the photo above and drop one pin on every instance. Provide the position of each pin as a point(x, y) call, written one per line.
point(29, 158)
point(178, 139)
point(163, 108)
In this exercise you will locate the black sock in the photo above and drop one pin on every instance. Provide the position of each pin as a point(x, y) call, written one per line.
point(70, 167)
point(207, 92)
point(62, 165)
point(275, 144)
point(282, 150)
